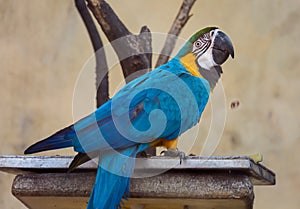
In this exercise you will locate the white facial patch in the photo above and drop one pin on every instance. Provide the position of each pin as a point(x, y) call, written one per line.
point(206, 60)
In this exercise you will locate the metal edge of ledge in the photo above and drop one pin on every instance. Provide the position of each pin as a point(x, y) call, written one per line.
point(259, 174)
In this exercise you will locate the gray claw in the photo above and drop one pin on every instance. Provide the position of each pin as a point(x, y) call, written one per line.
point(181, 156)
point(174, 153)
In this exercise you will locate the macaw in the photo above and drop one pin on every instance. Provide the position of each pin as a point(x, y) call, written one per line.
point(152, 110)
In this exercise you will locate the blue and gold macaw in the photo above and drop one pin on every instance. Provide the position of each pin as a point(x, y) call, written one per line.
point(152, 110)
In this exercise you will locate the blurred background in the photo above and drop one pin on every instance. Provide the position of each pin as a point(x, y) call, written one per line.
point(44, 46)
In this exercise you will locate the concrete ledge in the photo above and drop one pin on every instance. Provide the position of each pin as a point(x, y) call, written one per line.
point(258, 174)
point(199, 182)
point(168, 190)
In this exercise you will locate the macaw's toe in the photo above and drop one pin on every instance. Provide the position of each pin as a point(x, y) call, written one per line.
point(174, 153)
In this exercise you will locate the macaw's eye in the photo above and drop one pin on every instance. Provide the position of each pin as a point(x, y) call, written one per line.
point(212, 33)
point(197, 44)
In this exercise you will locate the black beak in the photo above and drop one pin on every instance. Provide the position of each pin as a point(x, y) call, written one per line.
point(222, 48)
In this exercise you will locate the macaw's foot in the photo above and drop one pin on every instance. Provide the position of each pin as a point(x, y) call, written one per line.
point(174, 153)
point(257, 158)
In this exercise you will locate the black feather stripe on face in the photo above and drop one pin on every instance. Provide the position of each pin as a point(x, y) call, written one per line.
point(188, 47)
point(202, 44)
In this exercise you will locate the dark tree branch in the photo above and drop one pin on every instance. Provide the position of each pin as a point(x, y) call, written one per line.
point(179, 22)
point(101, 71)
point(89, 24)
point(101, 64)
point(134, 51)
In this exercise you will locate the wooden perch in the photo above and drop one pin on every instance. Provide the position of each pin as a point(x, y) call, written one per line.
point(101, 64)
point(179, 22)
point(134, 51)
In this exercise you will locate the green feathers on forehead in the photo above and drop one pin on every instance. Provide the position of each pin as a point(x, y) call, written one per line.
point(201, 32)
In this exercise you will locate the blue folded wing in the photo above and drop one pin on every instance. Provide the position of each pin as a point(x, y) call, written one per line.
point(160, 104)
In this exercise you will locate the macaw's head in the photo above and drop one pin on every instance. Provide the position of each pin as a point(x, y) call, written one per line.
point(205, 52)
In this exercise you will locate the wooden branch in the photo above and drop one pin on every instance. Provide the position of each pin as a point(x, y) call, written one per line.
point(179, 22)
point(132, 50)
point(102, 86)
point(101, 64)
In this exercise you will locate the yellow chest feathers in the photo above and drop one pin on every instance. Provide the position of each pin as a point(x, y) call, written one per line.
point(189, 62)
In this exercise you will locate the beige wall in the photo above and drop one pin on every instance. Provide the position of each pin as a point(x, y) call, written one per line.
point(44, 46)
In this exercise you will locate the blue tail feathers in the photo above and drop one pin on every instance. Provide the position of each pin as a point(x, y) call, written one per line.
point(108, 191)
point(113, 177)
point(61, 139)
